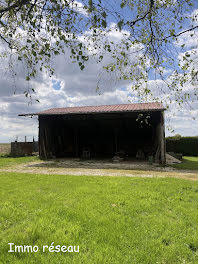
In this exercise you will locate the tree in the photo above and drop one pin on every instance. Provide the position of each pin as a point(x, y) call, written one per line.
point(177, 136)
point(34, 31)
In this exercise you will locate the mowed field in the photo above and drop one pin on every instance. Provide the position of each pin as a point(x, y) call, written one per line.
point(5, 148)
point(189, 163)
point(112, 219)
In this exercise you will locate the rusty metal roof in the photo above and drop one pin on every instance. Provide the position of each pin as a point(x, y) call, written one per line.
point(141, 107)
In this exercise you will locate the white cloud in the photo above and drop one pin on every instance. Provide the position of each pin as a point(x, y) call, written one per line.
point(190, 38)
point(194, 15)
point(78, 7)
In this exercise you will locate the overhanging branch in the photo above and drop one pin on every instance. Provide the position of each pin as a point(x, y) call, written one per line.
point(179, 34)
point(17, 4)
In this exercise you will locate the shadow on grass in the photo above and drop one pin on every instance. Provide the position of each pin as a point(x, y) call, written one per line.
point(5, 155)
point(188, 164)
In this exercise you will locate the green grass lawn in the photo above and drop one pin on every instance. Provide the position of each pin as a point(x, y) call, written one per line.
point(6, 161)
point(189, 163)
point(113, 220)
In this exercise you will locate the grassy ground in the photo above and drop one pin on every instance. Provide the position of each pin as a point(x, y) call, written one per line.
point(112, 219)
point(189, 163)
point(6, 161)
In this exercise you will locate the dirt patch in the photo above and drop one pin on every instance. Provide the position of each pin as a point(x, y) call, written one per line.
point(100, 168)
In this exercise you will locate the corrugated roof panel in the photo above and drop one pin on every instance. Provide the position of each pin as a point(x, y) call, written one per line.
point(102, 109)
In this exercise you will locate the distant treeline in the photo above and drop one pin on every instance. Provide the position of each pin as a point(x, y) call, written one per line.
point(188, 146)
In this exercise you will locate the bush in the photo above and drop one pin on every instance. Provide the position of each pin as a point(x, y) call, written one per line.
point(188, 146)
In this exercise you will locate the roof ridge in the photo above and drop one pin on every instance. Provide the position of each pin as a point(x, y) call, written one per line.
point(114, 108)
point(103, 105)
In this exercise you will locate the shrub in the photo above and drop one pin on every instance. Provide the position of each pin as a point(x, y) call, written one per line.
point(188, 146)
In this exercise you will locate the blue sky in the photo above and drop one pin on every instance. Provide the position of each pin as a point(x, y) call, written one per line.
point(72, 87)
point(56, 85)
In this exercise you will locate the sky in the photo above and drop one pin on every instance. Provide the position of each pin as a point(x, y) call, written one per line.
point(72, 87)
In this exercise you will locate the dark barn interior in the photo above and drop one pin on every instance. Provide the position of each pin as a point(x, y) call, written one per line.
point(133, 134)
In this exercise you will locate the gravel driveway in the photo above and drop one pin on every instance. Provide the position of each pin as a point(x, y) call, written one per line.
point(99, 168)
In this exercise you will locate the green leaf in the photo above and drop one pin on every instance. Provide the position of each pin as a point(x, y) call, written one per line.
point(47, 46)
point(122, 5)
point(56, 52)
point(90, 3)
point(120, 24)
point(104, 14)
point(82, 67)
point(104, 23)
point(34, 53)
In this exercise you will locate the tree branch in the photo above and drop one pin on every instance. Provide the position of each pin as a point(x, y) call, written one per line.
point(17, 4)
point(177, 35)
point(31, 8)
point(9, 43)
point(144, 16)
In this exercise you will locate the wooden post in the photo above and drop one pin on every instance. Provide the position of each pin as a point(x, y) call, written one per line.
point(45, 142)
point(42, 147)
point(162, 139)
point(39, 138)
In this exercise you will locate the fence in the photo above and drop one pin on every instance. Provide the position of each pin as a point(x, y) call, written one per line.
point(23, 148)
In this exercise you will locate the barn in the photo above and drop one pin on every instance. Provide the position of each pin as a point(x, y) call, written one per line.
point(128, 130)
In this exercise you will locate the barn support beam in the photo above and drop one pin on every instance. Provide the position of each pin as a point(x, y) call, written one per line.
point(160, 145)
point(39, 137)
point(162, 139)
point(42, 139)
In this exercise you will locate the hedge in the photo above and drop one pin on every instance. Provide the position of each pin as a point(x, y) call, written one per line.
point(188, 146)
